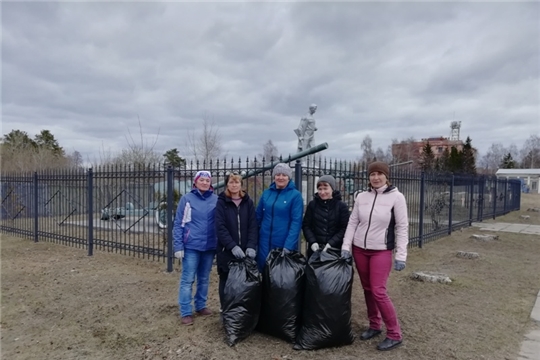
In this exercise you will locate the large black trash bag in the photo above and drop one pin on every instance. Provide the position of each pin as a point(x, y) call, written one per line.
point(326, 317)
point(241, 300)
point(283, 294)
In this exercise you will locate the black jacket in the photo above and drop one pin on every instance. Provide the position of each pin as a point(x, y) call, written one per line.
point(325, 221)
point(229, 218)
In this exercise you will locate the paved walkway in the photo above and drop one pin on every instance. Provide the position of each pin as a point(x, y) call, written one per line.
point(530, 347)
point(509, 227)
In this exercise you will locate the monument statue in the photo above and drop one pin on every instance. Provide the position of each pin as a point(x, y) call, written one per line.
point(306, 130)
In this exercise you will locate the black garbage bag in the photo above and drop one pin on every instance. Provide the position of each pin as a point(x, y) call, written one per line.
point(283, 294)
point(326, 316)
point(241, 300)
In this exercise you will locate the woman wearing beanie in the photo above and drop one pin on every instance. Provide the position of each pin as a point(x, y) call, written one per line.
point(279, 215)
point(236, 228)
point(195, 243)
point(378, 224)
point(326, 217)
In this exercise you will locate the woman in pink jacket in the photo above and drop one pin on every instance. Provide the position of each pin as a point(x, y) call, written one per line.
point(378, 224)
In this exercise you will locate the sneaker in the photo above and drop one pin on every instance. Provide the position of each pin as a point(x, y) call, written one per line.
point(205, 312)
point(187, 320)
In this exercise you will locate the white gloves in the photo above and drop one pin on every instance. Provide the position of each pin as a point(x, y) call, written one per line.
point(237, 252)
point(179, 254)
point(251, 253)
point(315, 247)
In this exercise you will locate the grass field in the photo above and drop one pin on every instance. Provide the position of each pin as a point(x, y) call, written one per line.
point(58, 303)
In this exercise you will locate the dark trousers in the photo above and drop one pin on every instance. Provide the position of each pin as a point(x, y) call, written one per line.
point(223, 276)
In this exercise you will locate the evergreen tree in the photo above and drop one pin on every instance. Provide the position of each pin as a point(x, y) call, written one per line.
point(172, 157)
point(45, 140)
point(427, 161)
point(443, 162)
point(18, 139)
point(507, 162)
point(455, 163)
point(468, 162)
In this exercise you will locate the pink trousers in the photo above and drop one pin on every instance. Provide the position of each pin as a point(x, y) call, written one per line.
point(374, 267)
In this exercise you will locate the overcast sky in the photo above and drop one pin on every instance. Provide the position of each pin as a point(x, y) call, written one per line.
point(87, 71)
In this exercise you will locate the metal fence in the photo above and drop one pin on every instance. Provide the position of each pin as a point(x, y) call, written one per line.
point(127, 209)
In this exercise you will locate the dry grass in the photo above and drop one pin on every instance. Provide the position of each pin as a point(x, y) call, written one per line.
point(58, 303)
point(528, 201)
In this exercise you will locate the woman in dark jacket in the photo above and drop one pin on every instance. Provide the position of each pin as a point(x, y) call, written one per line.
point(236, 228)
point(326, 217)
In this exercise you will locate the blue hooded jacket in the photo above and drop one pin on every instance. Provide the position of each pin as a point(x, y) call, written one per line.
point(279, 215)
point(194, 226)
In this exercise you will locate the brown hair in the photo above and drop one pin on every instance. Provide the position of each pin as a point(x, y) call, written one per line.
point(233, 177)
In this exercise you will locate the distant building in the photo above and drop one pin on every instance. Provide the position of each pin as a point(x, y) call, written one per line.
point(530, 178)
point(406, 151)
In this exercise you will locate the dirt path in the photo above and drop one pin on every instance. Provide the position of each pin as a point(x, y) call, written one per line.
point(58, 303)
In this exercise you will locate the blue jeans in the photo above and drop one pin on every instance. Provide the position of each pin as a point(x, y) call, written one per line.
point(195, 263)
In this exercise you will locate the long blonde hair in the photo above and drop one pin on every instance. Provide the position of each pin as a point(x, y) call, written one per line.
point(234, 177)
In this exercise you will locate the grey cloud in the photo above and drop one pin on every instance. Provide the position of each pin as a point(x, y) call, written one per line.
point(385, 69)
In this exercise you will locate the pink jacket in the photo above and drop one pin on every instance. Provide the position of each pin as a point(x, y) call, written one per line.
point(379, 221)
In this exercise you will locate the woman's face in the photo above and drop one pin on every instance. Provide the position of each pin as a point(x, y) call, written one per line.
point(234, 186)
point(324, 190)
point(377, 179)
point(203, 184)
point(281, 181)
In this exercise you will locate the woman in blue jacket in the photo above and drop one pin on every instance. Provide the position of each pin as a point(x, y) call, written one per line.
point(236, 228)
point(279, 215)
point(195, 243)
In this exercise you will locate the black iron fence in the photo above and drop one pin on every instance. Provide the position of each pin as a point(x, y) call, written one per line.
point(129, 210)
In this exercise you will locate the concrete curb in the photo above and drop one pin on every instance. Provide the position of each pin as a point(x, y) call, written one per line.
point(530, 347)
point(535, 313)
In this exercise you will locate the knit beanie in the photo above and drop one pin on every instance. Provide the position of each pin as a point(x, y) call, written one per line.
point(202, 173)
point(282, 168)
point(327, 179)
point(380, 167)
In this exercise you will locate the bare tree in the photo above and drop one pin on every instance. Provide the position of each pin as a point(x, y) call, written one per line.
point(270, 151)
point(493, 157)
point(75, 159)
point(140, 154)
point(367, 149)
point(207, 145)
point(381, 155)
point(530, 153)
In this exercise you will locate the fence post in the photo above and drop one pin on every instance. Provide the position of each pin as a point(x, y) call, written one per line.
point(421, 215)
point(494, 197)
point(36, 207)
point(517, 193)
point(90, 194)
point(298, 183)
point(170, 220)
point(471, 202)
point(451, 205)
point(480, 212)
point(505, 196)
